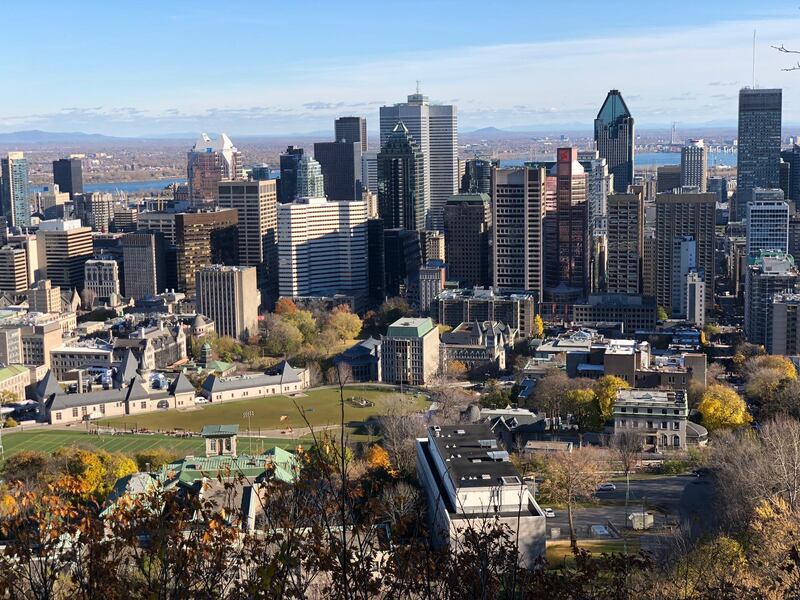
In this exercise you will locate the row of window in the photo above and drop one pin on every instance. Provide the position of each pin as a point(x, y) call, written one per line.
point(676, 426)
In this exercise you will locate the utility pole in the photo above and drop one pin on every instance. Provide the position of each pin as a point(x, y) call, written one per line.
point(248, 414)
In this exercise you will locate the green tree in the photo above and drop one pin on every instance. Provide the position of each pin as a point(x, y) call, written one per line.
point(585, 409)
point(344, 323)
point(7, 396)
point(283, 338)
point(661, 314)
point(305, 323)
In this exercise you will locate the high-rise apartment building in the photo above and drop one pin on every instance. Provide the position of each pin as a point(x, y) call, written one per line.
point(696, 299)
point(759, 145)
point(518, 209)
point(15, 197)
point(144, 258)
point(351, 130)
point(209, 162)
point(625, 243)
point(13, 269)
point(767, 222)
point(340, 163)
point(694, 165)
point(68, 175)
point(599, 184)
point(202, 239)
point(401, 181)
point(690, 214)
point(310, 182)
point(256, 204)
point(289, 164)
point(434, 128)
point(649, 263)
point(102, 278)
point(614, 137)
point(467, 229)
point(229, 295)
point(322, 249)
point(64, 246)
point(95, 210)
point(769, 274)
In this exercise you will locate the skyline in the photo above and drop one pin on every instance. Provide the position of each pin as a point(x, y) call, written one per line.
point(179, 70)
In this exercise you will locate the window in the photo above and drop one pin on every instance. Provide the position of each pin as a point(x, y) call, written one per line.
point(663, 424)
point(143, 405)
point(676, 441)
point(650, 425)
point(75, 412)
point(212, 444)
point(676, 425)
point(227, 443)
point(58, 416)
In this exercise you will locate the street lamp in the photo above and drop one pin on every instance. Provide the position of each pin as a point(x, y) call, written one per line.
point(247, 415)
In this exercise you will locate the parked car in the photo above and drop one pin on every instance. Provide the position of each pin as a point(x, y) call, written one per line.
point(549, 513)
point(200, 400)
point(606, 487)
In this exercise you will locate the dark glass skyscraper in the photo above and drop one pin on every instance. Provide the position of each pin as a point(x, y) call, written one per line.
point(341, 169)
point(289, 163)
point(351, 130)
point(68, 176)
point(758, 157)
point(792, 159)
point(614, 137)
point(401, 181)
point(477, 178)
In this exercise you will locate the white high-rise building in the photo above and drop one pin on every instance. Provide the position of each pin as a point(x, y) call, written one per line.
point(684, 261)
point(767, 222)
point(310, 182)
point(695, 299)
point(435, 128)
point(694, 165)
point(369, 171)
point(210, 161)
point(322, 249)
point(599, 184)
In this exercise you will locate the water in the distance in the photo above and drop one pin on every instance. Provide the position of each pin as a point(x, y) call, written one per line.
point(151, 186)
point(655, 159)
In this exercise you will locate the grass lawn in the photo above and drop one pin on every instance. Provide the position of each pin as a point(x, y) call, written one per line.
point(321, 407)
point(558, 551)
point(52, 439)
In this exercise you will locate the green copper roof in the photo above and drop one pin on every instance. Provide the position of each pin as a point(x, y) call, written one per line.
point(11, 371)
point(219, 430)
point(409, 327)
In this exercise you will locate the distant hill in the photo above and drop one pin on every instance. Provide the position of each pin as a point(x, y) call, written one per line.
point(35, 136)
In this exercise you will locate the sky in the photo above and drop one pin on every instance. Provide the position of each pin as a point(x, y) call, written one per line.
point(161, 67)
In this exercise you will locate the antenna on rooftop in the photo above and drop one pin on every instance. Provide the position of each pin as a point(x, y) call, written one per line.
point(418, 82)
point(754, 59)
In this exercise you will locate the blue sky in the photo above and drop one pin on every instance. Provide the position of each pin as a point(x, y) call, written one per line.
point(147, 67)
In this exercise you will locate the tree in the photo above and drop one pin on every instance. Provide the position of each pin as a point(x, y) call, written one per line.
point(569, 477)
point(82, 470)
point(285, 307)
point(538, 327)
point(455, 368)
point(661, 314)
point(305, 323)
point(626, 447)
point(712, 330)
point(551, 390)
point(377, 458)
point(605, 390)
point(7, 397)
point(154, 458)
point(782, 364)
point(283, 338)
point(27, 466)
point(721, 407)
point(346, 325)
point(585, 409)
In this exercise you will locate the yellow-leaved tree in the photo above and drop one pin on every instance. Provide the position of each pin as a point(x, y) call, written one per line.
point(723, 408)
point(605, 390)
point(378, 458)
point(538, 327)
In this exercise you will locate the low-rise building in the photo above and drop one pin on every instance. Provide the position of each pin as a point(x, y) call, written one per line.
point(155, 346)
point(634, 311)
point(410, 351)
point(89, 354)
point(478, 344)
point(468, 481)
point(363, 360)
point(517, 310)
point(280, 379)
point(14, 379)
point(658, 416)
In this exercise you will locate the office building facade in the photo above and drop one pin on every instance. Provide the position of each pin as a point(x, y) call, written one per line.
point(614, 137)
point(468, 230)
point(289, 165)
point(209, 162)
point(694, 165)
point(310, 182)
point(102, 278)
point(15, 197)
point(229, 295)
point(770, 273)
point(352, 130)
point(401, 181)
point(13, 269)
point(767, 222)
point(68, 175)
point(340, 163)
point(144, 258)
point(202, 239)
point(63, 247)
point(625, 243)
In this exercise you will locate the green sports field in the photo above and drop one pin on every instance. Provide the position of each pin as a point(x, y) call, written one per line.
point(321, 407)
point(52, 439)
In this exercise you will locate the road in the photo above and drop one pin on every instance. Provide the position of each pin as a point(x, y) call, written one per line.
point(680, 499)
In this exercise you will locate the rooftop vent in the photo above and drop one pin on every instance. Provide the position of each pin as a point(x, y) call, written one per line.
point(488, 443)
point(510, 480)
point(461, 432)
point(486, 476)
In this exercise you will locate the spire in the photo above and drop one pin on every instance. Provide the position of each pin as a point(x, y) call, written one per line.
point(127, 369)
point(613, 108)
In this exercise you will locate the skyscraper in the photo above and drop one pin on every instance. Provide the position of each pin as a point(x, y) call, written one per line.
point(401, 181)
point(434, 129)
point(143, 254)
point(229, 295)
point(63, 247)
point(310, 183)
point(102, 278)
point(614, 137)
point(68, 175)
point(771, 273)
point(322, 249)
point(202, 239)
point(758, 156)
point(341, 169)
point(792, 158)
point(599, 184)
point(767, 222)
point(518, 208)
point(467, 229)
point(15, 197)
point(625, 243)
point(694, 165)
point(289, 164)
point(351, 130)
point(13, 269)
point(369, 171)
point(691, 214)
point(477, 178)
point(256, 204)
point(209, 162)
point(572, 251)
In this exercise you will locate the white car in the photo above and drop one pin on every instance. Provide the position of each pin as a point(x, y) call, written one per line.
point(606, 487)
point(200, 400)
point(549, 513)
